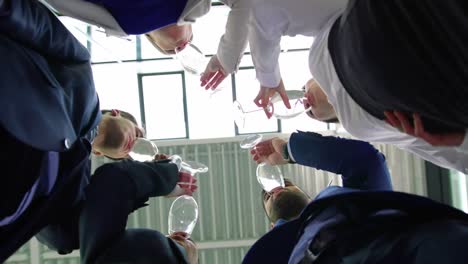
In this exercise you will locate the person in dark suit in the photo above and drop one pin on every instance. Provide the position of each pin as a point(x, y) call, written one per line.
point(115, 191)
point(362, 222)
point(48, 123)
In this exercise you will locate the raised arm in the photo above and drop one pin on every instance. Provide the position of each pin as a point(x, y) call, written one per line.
point(266, 29)
point(231, 45)
point(361, 165)
point(265, 35)
point(30, 23)
point(234, 41)
point(115, 190)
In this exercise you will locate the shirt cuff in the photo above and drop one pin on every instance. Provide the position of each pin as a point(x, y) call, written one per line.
point(229, 62)
point(270, 80)
point(464, 146)
point(291, 157)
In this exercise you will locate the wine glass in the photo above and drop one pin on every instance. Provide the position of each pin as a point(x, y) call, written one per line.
point(143, 150)
point(191, 59)
point(280, 111)
point(183, 215)
point(189, 166)
point(276, 107)
point(268, 176)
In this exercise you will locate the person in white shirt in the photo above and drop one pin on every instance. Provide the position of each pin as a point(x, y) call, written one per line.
point(340, 107)
point(439, 118)
point(167, 25)
point(272, 19)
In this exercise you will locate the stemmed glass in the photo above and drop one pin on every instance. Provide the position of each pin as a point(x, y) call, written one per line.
point(275, 107)
point(189, 166)
point(268, 176)
point(192, 59)
point(183, 215)
point(143, 150)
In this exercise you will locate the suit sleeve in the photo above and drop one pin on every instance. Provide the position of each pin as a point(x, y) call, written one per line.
point(30, 23)
point(361, 165)
point(116, 189)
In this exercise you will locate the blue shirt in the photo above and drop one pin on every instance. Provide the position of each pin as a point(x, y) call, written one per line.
point(142, 16)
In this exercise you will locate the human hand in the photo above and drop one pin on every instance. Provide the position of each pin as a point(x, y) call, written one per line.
point(265, 94)
point(185, 186)
point(213, 75)
point(161, 156)
point(269, 151)
point(399, 120)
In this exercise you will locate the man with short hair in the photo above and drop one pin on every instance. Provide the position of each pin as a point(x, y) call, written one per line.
point(284, 204)
point(48, 124)
point(362, 125)
point(401, 61)
point(362, 222)
point(114, 192)
point(117, 133)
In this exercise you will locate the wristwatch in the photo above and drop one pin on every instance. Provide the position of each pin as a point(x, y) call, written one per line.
point(285, 154)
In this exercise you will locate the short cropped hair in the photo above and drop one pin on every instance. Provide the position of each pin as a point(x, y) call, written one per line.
point(288, 206)
point(112, 140)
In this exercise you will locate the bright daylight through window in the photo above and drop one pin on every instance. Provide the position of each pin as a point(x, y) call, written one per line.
point(131, 75)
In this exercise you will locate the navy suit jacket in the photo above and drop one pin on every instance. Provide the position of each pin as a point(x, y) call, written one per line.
point(48, 102)
point(114, 192)
point(366, 184)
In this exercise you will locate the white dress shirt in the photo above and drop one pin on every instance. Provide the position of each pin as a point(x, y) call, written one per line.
point(231, 46)
point(362, 125)
point(234, 41)
point(272, 19)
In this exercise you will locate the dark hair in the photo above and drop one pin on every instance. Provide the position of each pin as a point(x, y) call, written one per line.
point(124, 114)
point(287, 206)
point(112, 140)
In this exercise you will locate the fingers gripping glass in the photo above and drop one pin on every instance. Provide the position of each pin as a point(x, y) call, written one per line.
point(191, 167)
point(269, 177)
point(275, 108)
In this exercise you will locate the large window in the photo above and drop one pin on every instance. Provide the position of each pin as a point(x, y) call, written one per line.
point(163, 116)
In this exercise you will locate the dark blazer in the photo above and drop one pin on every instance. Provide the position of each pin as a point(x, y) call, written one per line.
point(150, 179)
point(47, 92)
point(366, 188)
point(114, 192)
point(48, 103)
